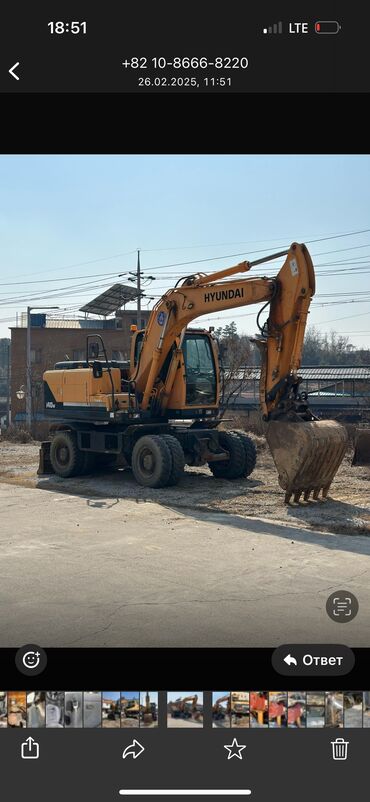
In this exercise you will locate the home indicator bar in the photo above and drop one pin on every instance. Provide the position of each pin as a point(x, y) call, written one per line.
point(183, 792)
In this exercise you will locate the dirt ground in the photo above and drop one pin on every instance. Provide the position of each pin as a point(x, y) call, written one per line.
point(347, 511)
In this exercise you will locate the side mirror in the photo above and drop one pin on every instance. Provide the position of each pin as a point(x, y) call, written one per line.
point(97, 370)
point(94, 350)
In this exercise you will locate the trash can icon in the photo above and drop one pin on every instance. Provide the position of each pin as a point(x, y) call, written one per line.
point(340, 749)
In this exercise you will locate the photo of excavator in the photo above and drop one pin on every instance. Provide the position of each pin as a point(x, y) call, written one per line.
point(161, 410)
point(240, 708)
point(184, 710)
point(221, 709)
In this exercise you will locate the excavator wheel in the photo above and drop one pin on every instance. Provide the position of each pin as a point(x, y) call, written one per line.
point(250, 452)
point(178, 459)
point(151, 461)
point(65, 457)
point(234, 467)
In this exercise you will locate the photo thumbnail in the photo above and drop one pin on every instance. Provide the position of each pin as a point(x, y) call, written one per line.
point(55, 709)
point(221, 709)
point(17, 709)
point(111, 709)
point(149, 709)
point(92, 715)
point(185, 709)
point(36, 709)
point(130, 708)
point(240, 709)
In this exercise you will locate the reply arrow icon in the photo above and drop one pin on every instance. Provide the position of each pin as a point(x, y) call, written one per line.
point(290, 660)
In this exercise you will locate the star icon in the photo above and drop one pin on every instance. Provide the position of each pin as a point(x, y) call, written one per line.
point(234, 749)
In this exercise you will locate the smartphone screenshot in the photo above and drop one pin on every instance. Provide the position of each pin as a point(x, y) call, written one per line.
point(185, 48)
point(184, 458)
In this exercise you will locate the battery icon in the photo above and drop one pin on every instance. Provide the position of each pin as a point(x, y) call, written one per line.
point(327, 26)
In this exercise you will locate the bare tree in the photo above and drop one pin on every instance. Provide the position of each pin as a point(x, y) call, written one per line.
point(322, 348)
point(235, 357)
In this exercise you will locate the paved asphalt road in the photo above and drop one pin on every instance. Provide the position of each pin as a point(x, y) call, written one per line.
point(78, 571)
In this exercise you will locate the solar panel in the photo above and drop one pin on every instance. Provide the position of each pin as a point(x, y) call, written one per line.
point(111, 300)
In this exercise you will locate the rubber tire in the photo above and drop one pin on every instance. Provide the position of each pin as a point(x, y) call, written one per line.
point(74, 465)
point(250, 452)
point(162, 457)
point(235, 466)
point(178, 459)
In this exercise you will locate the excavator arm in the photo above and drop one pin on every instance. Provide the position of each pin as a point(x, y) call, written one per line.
point(306, 452)
point(281, 340)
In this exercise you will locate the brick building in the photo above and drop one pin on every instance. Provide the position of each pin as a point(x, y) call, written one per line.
point(57, 340)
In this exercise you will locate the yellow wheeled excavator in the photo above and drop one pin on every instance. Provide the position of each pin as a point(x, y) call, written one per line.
point(160, 410)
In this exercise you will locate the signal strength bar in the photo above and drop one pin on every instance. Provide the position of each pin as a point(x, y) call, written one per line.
point(277, 27)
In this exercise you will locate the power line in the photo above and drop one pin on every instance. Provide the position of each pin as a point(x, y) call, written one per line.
point(210, 259)
point(339, 236)
point(81, 264)
point(347, 317)
point(61, 292)
point(49, 280)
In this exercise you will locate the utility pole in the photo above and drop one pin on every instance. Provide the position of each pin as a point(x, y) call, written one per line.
point(28, 371)
point(138, 283)
point(136, 279)
point(8, 390)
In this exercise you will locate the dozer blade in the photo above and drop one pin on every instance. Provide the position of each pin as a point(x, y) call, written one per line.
point(362, 447)
point(307, 455)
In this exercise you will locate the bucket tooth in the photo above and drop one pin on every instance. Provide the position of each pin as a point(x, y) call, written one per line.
point(307, 455)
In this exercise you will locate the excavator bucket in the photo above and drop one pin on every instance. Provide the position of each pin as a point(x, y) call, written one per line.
point(307, 455)
point(362, 447)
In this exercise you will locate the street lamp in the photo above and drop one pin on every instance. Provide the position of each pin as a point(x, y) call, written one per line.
point(28, 363)
point(21, 392)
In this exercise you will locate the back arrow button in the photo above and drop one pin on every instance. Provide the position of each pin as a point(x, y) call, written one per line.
point(12, 73)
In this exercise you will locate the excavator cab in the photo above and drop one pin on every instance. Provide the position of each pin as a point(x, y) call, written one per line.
point(196, 383)
point(200, 370)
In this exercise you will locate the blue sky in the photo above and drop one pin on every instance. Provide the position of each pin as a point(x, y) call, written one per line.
point(153, 697)
point(57, 212)
point(219, 695)
point(172, 696)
